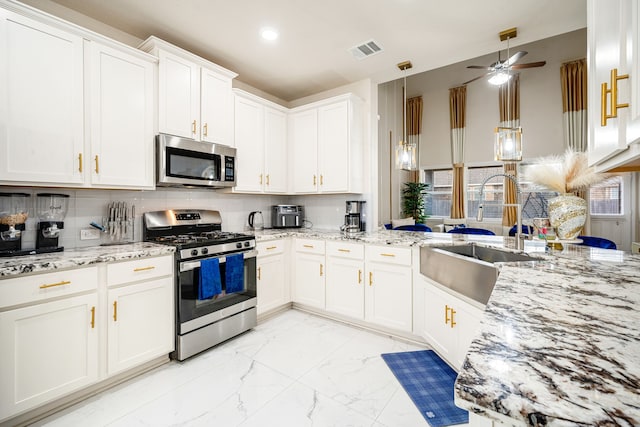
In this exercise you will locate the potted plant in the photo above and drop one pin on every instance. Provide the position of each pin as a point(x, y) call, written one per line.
point(566, 175)
point(413, 201)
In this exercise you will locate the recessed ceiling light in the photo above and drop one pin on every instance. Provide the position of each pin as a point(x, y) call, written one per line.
point(269, 34)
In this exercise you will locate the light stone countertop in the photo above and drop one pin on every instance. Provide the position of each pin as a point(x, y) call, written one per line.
point(559, 341)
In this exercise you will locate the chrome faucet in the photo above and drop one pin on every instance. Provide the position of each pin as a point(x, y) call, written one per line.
point(518, 206)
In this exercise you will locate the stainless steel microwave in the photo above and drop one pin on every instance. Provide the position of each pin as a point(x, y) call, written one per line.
point(185, 162)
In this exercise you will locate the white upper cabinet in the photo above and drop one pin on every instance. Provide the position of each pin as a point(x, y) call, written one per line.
point(41, 102)
point(326, 145)
point(613, 44)
point(261, 143)
point(121, 112)
point(195, 95)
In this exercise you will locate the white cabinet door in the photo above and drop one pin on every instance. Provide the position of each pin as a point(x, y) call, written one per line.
point(249, 141)
point(179, 96)
point(216, 108)
point(41, 102)
point(275, 151)
point(468, 319)
point(333, 147)
point(141, 323)
point(309, 280)
point(121, 119)
point(388, 295)
point(303, 141)
point(48, 350)
point(272, 290)
point(437, 328)
point(345, 287)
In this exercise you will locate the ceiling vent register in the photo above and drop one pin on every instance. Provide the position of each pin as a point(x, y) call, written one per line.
point(365, 49)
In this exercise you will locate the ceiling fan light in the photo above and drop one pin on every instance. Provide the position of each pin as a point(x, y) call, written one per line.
point(499, 78)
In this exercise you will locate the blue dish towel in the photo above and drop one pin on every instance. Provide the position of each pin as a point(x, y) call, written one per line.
point(210, 281)
point(234, 275)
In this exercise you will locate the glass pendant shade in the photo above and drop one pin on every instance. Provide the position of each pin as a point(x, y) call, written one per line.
point(406, 156)
point(499, 78)
point(508, 144)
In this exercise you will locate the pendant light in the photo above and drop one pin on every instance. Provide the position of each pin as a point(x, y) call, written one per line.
point(406, 152)
point(508, 139)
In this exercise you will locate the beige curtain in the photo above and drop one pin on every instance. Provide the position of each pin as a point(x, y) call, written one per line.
point(509, 104)
point(457, 113)
point(573, 78)
point(414, 129)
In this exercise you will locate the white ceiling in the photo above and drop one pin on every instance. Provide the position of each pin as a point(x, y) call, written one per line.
point(312, 55)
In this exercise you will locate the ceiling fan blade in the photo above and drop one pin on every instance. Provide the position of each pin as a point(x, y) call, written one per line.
point(480, 67)
point(514, 58)
point(474, 79)
point(529, 65)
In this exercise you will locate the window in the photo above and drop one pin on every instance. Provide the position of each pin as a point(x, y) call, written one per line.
point(438, 196)
point(606, 198)
point(492, 192)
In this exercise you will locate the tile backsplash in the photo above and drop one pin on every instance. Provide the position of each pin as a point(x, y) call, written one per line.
point(85, 206)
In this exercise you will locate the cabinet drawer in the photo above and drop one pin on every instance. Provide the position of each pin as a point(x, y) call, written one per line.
point(270, 248)
point(310, 246)
point(139, 269)
point(345, 250)
point(389, 255)
point(22, 290)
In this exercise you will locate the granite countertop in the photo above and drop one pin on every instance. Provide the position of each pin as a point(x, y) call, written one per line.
point(72, 258)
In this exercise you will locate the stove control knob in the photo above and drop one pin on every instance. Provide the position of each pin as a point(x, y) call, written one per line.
point(205, 251)
point(247, 244)
point(194, 252)
point(239, 245)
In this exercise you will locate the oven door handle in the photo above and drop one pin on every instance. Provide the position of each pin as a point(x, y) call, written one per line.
point(191, 265)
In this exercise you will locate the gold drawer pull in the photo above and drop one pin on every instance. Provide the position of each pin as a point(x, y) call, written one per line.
point(115, 311)
point(151, 267)
point(453, 322)
point(370, 278)
point(321, 270)
point(51, 285)
point(97, 165)
point(193, 127)
point(268, 179)
point(308, 246)
point(80, 162)
point(359, 276)
point(205, 129)
point(93, 317)
point(314, 180)
point(259, 273)
point(260, 180)
point(344, 250)
point(391, 255)
point(613, 92)
point(446, 314)
point(271, 247)
point(321, 180)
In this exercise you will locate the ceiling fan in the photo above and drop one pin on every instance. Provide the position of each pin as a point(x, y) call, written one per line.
point(499, 70)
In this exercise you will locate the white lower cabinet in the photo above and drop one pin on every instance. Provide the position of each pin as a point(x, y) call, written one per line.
point(345, 279)
point(388, 293)
point(450, 323)
point(273, 291)
point(309, 276)
point(49, 349)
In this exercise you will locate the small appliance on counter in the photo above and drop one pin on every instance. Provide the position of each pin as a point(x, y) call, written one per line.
point(256, 221)
point(354, 219)
point(287, 216)
point(51, 210)
point(13, 216)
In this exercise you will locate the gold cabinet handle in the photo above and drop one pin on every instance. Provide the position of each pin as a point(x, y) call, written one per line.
point(344, 250)
point(453, 322)
point(79, 162)
point(389, 255)
point(97, 165)
point(314, 180)
point(321, 180)
point(260, 179)
point(205, 129)
point(51, 285)
point(447, 319)
point(359, 276)
point(151, 267)
point(115, 311)
point(193, 127)
point(321, 270)
point(613, 93)
point(446, 314)
point(93, 317)
point(259, 273)
point(267, 179)
point(271, 247)
point(370, 278)
point(308, 246)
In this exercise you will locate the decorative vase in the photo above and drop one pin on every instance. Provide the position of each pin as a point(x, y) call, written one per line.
point(568, 214)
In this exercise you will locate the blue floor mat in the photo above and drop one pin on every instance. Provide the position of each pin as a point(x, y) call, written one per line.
point(428, 380)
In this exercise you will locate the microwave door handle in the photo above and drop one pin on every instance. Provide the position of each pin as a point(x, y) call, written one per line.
point(297, 220)
point(192, 265)
point(283, 221)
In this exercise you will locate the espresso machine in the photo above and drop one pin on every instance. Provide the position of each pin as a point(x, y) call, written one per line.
point(354, 220)
point(13, 216)
point(51, 210)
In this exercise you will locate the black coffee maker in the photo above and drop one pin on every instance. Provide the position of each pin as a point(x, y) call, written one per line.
point(13, 216)
point(51, 210)
point(354, 220)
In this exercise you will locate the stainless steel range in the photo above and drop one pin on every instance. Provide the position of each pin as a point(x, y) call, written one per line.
point(215, 277)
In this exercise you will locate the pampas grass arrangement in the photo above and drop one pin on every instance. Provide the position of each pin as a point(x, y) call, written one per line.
point(564, 174)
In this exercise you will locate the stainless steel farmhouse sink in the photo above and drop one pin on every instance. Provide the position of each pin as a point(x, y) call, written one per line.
point(468, 269)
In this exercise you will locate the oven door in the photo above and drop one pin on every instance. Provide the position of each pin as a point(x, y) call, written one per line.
point(194, 313)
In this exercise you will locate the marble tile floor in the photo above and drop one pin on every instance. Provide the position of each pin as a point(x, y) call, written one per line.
point(295, 369)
